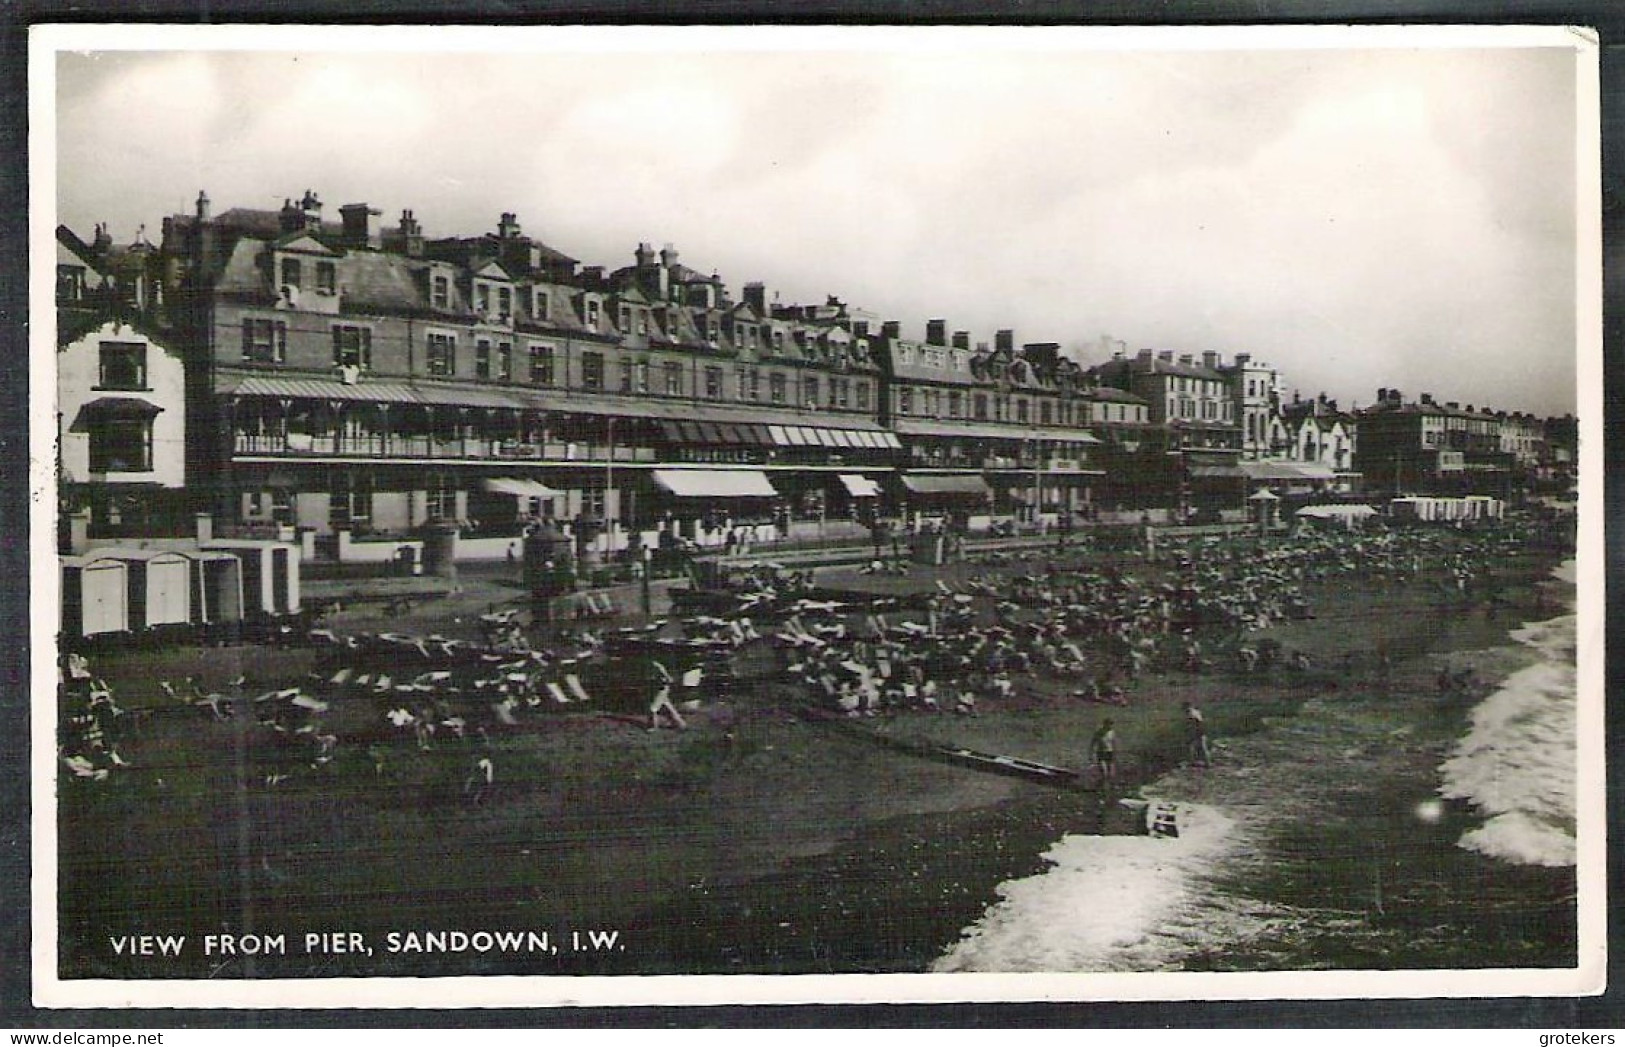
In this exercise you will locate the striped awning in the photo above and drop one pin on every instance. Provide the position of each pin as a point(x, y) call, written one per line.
point(860, 486)
point(520, 488)
point(715, 483)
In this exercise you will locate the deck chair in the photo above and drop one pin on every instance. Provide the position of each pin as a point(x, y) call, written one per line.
point(692, 678)
point(606, 605)
point(556, 692)
point(579, 693)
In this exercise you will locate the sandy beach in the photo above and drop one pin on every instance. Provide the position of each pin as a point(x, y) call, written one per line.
point(760, 842)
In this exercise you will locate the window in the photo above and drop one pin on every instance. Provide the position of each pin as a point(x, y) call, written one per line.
point(327, 281)
point(352, 347)
point(755, 384)
point(440, 292)
point(979, 406)
point(544, 305)
point(70, 284)
point(504, 361)
point(809, 391)
point(778, 341)
point(592, 371)
point(442, 498)
point(482, 298)
point(265, 340)
point(626, 318)
point(643, 321)
point(674, 378)
point(541, 365)
point(504, 303)
point(290, 272)
point(1021, 411)
point(121, 445)
point(592, 312)
point(775, 388)
point(713, 383)
point(351, 494)
point(482, 358)
point(863, 396)
point(640, 382)
point(626, 376)
point(442, 354)
point(843, 391)
point(956, 403)
point(905, 400)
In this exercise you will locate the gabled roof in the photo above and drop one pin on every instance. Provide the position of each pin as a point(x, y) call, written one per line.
point(303, 242)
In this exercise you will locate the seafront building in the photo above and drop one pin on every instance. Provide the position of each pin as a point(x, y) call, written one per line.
point(352, 380)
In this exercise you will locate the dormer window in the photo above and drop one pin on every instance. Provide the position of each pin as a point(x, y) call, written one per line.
point(626, 318)
point(592, 312)
point(504, 302)
point(440, 291)
point(544, 305)
point(326, 278)
point(482, 298)
point(291, 272)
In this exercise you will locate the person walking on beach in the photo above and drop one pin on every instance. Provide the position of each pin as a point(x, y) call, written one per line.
point(1103, 752)
point(1196, 745)
point(661, 702)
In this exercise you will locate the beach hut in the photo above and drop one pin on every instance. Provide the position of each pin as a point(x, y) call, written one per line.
point(95, 596)
point(217, 587)
point(159, 585)
point(270, 573)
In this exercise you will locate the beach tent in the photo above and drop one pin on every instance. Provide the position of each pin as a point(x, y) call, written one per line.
point(217, 593)
point(270, 573)
point(95, 596)
point(159, 585)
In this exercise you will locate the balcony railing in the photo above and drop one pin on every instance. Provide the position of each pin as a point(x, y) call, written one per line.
point(429, 448)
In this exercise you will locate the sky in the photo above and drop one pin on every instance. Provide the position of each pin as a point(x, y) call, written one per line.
point(1359, 218)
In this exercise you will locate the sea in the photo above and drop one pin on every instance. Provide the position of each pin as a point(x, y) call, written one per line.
point(1140, 903)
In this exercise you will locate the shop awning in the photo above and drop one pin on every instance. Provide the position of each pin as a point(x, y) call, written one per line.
point(1216, 472)
point(1277, 470)
point(715, 483)
point(860, 486)
point(520, 488)
point(947, 485)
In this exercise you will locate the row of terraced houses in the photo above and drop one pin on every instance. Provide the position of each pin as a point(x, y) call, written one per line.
point(280, 371)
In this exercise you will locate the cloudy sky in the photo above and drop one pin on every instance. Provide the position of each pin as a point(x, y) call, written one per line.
point(1358, 217)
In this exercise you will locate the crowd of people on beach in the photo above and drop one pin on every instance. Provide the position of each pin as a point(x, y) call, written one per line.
point(1093, 629)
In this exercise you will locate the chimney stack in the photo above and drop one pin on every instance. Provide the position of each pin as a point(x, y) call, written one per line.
point(962, 340)
point(1210, 360)
point(1242, 359)
point(668, 256)
point(1166, 356)
point(311, 209)
point(892, 329)
point(645, 256)
point(407, 238)
point(755, 292)
point(936, 332)
point(860, 328)
point(202, 206)
point(358, 227)
point(1185, 359)
point(1004, 340)
point(508, 226)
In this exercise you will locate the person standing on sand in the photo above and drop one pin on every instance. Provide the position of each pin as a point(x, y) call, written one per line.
point(1196, 744)
point(1103, 752)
